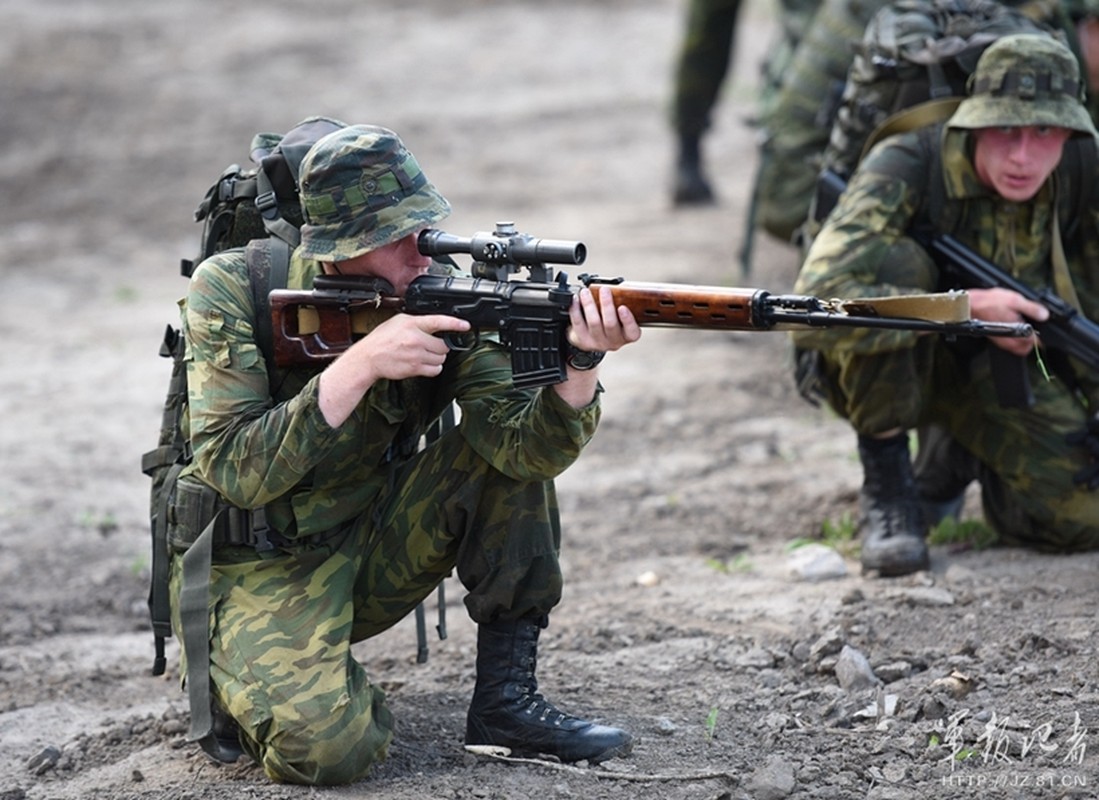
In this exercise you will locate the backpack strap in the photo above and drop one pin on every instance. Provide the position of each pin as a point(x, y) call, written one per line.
point(918, 116)
point(1078, 158)
point(194, 616)
point(936, 209)
point(267, 203)
point(268, 268)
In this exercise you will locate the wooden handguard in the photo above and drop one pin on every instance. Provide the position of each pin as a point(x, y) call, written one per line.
point(686, 305)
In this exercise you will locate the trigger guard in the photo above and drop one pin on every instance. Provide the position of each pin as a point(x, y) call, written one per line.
point(461, 341)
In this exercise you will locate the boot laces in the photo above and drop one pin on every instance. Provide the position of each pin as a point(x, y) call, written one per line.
point(537, 704)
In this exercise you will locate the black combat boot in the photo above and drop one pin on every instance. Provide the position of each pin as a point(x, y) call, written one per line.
point(222, 743)
point(507, 710)
point(691, 186)
point(893, 527)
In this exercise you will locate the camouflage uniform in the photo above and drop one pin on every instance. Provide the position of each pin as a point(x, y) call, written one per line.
point(798, 122)
point(881, 380)
point(798, 119)
point(366, 530)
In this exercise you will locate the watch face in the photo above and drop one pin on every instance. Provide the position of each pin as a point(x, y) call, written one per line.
point(583, 360)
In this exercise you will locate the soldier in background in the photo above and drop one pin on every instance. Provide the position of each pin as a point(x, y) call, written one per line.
point(798, 119)
point(700, 72)
point(993, 165)
point(701, 68)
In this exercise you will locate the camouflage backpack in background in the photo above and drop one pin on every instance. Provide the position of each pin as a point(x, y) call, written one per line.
point(241, 206)
point(799, 124)
point(911, 68)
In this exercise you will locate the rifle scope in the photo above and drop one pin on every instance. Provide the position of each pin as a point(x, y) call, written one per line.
point(504, 246)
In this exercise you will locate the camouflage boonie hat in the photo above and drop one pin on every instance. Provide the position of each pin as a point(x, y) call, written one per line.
point(1025, 79)
point(361, 189)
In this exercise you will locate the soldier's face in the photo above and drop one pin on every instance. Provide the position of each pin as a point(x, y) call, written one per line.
point(397, 262)
point(1016, 161)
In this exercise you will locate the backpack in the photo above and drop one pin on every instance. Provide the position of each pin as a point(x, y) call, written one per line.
point(910, 70)
point(241, 206)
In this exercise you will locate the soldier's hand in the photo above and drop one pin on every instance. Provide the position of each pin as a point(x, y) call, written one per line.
point(401, 347)
point(1004, 305)
point(597, 325)
point(406, 346)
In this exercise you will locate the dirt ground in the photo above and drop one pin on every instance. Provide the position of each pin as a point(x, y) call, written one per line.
point(684, 617)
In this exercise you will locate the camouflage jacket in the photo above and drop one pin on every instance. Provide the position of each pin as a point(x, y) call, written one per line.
point(261, 443)
point(863, 249)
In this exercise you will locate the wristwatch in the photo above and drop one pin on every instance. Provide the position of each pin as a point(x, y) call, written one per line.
point(582, 360)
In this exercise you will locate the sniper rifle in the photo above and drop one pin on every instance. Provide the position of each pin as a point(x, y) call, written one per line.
point(530, 316)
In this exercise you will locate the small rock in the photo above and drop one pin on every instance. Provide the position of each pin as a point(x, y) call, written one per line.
point(801, 652)
point(926, 596)
point(756, 658)
point(958, 684)
point(776, 721)
point(815, 562)
point(893, 671)
point(773, 780)
point(45, 761)
point(853, 671)
point(830, 643)
point(648, 579)
point(665, 727)
point(854, 596)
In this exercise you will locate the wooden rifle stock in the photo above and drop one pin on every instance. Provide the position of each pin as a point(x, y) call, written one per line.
point(312, 328)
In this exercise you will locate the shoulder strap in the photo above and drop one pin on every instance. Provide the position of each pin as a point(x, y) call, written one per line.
point(268, 268)
point(1077, 159)
point(909, 119)
point(267, 203)
point(936, 210)
point(163, 465)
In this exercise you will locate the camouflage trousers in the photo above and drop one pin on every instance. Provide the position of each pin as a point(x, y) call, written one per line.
point(1026, 469)
point(702, 63)
point(281, 628)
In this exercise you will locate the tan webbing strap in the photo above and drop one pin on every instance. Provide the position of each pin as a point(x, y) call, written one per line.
point(908, 119)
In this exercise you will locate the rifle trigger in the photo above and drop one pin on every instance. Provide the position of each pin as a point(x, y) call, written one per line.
point(462, 341)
